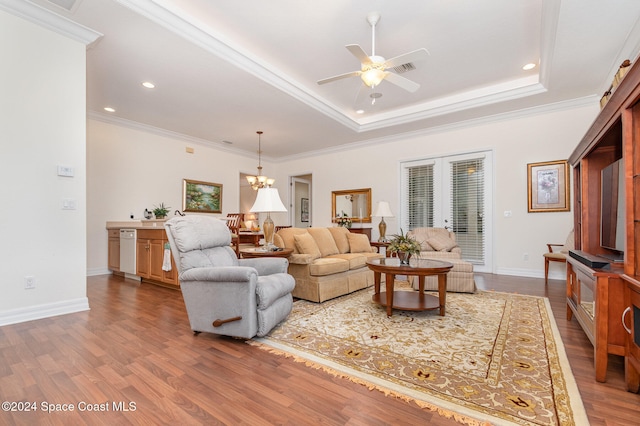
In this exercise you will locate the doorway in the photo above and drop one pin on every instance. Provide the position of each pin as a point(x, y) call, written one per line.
point(300, 199)
point(452, 192)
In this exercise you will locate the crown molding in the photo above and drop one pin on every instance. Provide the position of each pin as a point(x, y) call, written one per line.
point(485, 96)
point(50, 20)
point(134, 125)
point(511, 115)
point(172, 18)
point(178, 22)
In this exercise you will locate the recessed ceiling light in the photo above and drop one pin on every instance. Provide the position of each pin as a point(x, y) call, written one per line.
point(529, 67)
point(109, 109)
point(148, 85)
point(360, 111)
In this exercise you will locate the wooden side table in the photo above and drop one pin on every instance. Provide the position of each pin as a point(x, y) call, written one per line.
point(250, 237)
point(378, 245)
point(247, 253)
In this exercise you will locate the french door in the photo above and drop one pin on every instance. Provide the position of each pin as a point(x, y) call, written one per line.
point(452, 192)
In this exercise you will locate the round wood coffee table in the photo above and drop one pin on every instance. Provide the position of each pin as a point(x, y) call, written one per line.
point(260, 252)
point(409, 300)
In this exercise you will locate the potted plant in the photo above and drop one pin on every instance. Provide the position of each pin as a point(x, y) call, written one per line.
point(161, 211)
point(404, 246)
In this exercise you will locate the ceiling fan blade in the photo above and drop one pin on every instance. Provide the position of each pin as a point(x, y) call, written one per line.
point(416, 55)
point(359, 53)
point(340, 77)
point(406, 84)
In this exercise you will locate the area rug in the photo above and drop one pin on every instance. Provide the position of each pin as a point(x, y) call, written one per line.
point(494, 358)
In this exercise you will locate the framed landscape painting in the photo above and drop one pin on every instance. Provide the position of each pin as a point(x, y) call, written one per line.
point(548, 186)
point(201, 197)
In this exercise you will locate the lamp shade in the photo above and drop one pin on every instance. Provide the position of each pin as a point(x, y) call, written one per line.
point(268, 200)
point(383, 210)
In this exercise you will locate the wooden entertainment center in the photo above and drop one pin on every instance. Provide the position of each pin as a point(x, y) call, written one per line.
point(606, 300)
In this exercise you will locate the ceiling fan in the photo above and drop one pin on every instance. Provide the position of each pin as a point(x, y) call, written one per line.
point(373, 68)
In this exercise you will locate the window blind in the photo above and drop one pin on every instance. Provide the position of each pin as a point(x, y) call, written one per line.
point(419, 196)
point(468, 207)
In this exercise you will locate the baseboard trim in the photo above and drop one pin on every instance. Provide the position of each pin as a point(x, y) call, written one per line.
point(44, 311)
point(532, 273)
point(98, 271)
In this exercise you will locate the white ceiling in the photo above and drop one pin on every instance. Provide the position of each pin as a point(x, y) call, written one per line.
point(225, 69)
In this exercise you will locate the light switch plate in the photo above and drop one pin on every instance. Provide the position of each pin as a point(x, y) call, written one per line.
point(65, 171)
point(69, 204)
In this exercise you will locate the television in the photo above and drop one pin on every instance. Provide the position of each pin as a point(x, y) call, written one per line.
point(612, 224)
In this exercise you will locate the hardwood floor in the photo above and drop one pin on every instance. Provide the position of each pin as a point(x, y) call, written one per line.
point(134, 353)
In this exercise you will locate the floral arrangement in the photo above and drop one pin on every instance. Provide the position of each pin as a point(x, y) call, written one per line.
point(343, 220)
point(403, 243)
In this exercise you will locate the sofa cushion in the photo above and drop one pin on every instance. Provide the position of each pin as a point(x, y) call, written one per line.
point(286, 238)
point(425, 246)
point(358, 243)
point(341, 237)
point(328, 266)
point(307, 245)
point(441, 243)
point(324, 240)
point(356, 260)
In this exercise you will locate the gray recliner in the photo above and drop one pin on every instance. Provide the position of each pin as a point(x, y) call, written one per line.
point(223, 294)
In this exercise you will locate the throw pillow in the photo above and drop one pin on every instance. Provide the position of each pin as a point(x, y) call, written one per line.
point(359, 243)
point(324, 240)
point(307, 245)
point(340, 236)
point(441, 243)
point(425, 246)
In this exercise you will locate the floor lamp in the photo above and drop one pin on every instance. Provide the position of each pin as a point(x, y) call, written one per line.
point(267, 201)
point(383, 210)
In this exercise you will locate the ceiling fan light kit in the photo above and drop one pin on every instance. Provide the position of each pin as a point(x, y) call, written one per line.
point(373, 69)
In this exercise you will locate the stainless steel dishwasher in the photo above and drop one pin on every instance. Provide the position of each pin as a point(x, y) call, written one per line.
point(128, 251)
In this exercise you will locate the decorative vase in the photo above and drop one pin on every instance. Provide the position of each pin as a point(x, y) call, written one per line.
point(404, 257)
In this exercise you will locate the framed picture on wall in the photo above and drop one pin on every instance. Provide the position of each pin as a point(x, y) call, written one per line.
point(201, 197)
point(304, 210)
point(548, 186)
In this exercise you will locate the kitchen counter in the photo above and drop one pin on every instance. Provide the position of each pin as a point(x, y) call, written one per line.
point(136, 224)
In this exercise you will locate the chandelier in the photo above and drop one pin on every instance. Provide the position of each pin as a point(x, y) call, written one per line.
point(259, 180)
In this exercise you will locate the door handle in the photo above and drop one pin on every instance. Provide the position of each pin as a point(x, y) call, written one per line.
point(624, 314)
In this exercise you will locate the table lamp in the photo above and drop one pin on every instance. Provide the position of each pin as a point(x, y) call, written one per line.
point(267, 201)
point(383, 210)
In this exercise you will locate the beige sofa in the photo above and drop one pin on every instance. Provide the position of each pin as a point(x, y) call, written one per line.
point(327, 262)
point(440, 244)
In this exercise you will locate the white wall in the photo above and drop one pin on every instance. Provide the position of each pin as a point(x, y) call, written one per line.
point(42, 105)
point(130, 169)
point(515, 142)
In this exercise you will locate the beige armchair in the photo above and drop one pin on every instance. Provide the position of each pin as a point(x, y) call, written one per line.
point(440, 244)
point(436, 243)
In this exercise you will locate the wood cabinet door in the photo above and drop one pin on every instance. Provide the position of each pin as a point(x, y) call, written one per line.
point(171, 277)
point(114, 254)
point(632, 321)
point(142, 258)
point(156, 257)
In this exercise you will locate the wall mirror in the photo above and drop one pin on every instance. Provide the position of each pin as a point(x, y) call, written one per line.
point(355, 203)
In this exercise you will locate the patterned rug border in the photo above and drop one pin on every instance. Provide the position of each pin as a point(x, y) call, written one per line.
point(442, 407)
